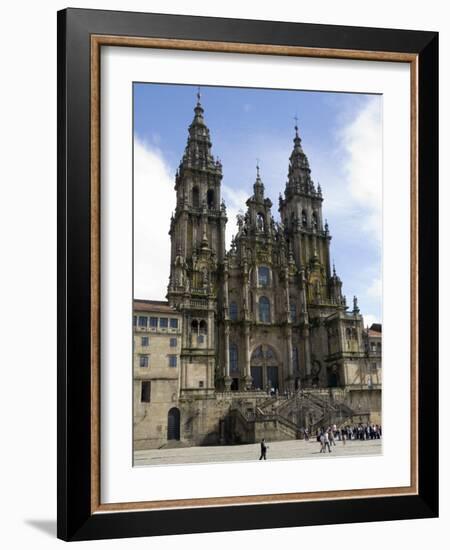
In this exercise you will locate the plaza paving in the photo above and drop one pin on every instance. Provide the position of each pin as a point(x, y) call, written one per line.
point(277, 450)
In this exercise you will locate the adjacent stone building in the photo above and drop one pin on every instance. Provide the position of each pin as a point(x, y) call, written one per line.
point(157, 345)
point(266, 344)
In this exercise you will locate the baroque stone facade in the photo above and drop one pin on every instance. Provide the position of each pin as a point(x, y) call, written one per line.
point(268, 345)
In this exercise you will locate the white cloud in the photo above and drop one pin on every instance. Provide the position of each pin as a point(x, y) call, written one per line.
point(154, 201)
point(235, 201)
point(361, 140)
point(374, 289)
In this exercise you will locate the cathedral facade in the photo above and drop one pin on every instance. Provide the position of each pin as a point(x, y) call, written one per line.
point(268, 345)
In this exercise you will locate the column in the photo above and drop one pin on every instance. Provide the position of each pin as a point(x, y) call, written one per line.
point(288, 331)
point(290, 370)
point(226, 376)
point(307, 351)
point(248, 373)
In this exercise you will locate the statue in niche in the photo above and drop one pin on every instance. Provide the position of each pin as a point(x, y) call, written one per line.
point(179, 268)
point(317, 290)
point(260, 222)
point(205, 278)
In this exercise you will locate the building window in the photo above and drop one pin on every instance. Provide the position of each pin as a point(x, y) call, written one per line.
point(234, 358)
point(143, 361)
point(173, 323)
point(263, 276)
point(143, 321)
point(203, 327)
point(264, 310)
point(173, 342)
point(163, 322)
point(145, 391)
point(144, 341)
point(373, 367)
point(379, 347)
point(233, 311)
point(134, 320)
point(373, 346)
point(314, 221)
point(210, 198)
point(172, 360)
point(293, 307)
point(195, 197)
point(153, 322)
point(201, 384)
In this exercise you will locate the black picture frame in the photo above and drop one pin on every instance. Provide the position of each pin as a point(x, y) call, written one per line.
point(75, 518)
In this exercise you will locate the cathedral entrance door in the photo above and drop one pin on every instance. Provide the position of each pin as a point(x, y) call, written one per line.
point(173, 424)
point(257, 376)
point(264, 368)
point(272, 377)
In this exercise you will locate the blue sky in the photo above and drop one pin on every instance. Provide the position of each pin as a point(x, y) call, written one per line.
point(341, 135)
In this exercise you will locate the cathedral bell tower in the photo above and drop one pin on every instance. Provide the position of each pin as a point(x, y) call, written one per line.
point(301, 213)
point(197, 233)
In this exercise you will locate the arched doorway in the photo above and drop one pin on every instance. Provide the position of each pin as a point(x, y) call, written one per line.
point(264, 368)
point(173, 424)
point(333, 377)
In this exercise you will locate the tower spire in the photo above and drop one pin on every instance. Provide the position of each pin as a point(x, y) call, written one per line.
point(258, 186)
point(197, 154)
point(299, 174)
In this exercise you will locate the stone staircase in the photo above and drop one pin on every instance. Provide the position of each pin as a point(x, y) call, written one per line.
point(285, 417)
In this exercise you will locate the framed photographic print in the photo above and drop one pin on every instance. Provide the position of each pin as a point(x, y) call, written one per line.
point(247, 274)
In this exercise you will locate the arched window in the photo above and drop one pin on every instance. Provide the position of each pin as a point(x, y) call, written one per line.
point(263, 276)
point(233, 311)
point(294, 359)
point(210, 198)
point(379, 347)
point(293, 308)
point(195, 197)
point(314, 220)
point(194, 326)
point(264, 310)
point(234, 358)
point(203, 327)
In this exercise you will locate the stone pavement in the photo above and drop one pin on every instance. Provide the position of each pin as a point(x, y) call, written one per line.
point(277, 450)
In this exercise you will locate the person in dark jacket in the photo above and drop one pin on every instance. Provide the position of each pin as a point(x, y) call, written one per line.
point(263, 449)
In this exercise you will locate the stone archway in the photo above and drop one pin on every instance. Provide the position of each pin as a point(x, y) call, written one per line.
point(265, 368)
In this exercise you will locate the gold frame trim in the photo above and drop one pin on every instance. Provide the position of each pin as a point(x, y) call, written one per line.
point(97, 41)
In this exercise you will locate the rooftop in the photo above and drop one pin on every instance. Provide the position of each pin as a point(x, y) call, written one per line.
point(153, 306)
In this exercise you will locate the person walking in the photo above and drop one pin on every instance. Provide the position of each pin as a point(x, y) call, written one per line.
point(321, 439)
point(326, 442)
point(331, 437)
point(263, 449)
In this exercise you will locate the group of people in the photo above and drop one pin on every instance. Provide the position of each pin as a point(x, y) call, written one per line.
point(327, 436)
